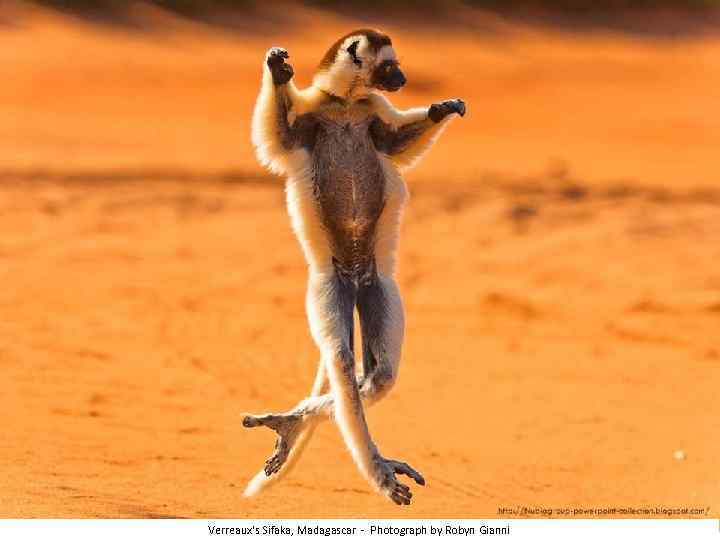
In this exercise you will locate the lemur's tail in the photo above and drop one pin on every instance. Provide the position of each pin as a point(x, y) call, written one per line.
point(261, 481)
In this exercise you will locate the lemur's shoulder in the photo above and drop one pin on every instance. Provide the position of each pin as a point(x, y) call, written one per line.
point(307, 100)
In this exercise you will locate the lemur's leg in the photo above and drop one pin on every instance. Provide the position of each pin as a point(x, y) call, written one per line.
point(373, 385)
point(292, 450)
point(292, 429)
point(381, 355)
point(297, 425)
point(405, 143)
point(378, 376)
point(287, 452)
point(331, 322)
point(382, 322)
point(330, 305)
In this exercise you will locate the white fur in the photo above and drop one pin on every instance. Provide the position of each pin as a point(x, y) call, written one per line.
point(304, 216)
point(388, 227)
point(263, 134)
point(390, 115)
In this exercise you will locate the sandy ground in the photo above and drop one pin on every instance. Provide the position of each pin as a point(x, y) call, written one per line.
point(558, 266)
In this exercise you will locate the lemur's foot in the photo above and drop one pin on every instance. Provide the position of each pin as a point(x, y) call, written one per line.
point(438, 111)
point(281, 71)
point(287, 426)
point(396, 491)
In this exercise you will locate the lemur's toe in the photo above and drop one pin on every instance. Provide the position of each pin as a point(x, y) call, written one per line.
point(459, 106)
point(275, 462)
point(403, 468)
point(268, 420)
point(251, 421)
point(401, 494)
point(272, 466)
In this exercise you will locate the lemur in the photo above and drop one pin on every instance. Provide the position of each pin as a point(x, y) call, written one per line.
point(342, 146)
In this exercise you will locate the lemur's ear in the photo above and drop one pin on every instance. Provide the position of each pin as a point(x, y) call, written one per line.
point(352, 51)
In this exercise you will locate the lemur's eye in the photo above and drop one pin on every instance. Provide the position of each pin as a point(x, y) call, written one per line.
point(388, 68)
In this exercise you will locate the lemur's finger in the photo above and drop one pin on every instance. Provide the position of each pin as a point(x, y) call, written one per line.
point(460, 107)
point(279, 52)
point(277, 56)
point(404, 490)
point(272, 465)
point(399, 498)
point(252, 420)
point(402, 493)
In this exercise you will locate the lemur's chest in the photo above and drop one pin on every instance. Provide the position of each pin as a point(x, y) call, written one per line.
point(349, 181)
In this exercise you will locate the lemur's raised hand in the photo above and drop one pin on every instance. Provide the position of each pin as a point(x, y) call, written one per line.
point(280, 71)
point(342, 146)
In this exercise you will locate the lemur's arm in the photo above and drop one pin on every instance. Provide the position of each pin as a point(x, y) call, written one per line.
point(405, 135)
point(273, 134)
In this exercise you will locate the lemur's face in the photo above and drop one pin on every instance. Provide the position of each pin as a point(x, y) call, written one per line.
point(359, 62)
point(386, 75)
point(375, 61)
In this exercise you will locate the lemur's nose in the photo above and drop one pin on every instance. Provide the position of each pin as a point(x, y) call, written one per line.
point(398, 79)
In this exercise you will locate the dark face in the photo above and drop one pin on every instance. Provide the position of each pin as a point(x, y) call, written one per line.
point(388, 77)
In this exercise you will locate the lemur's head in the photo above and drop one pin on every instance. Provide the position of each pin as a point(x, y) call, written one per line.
point(357, 63)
